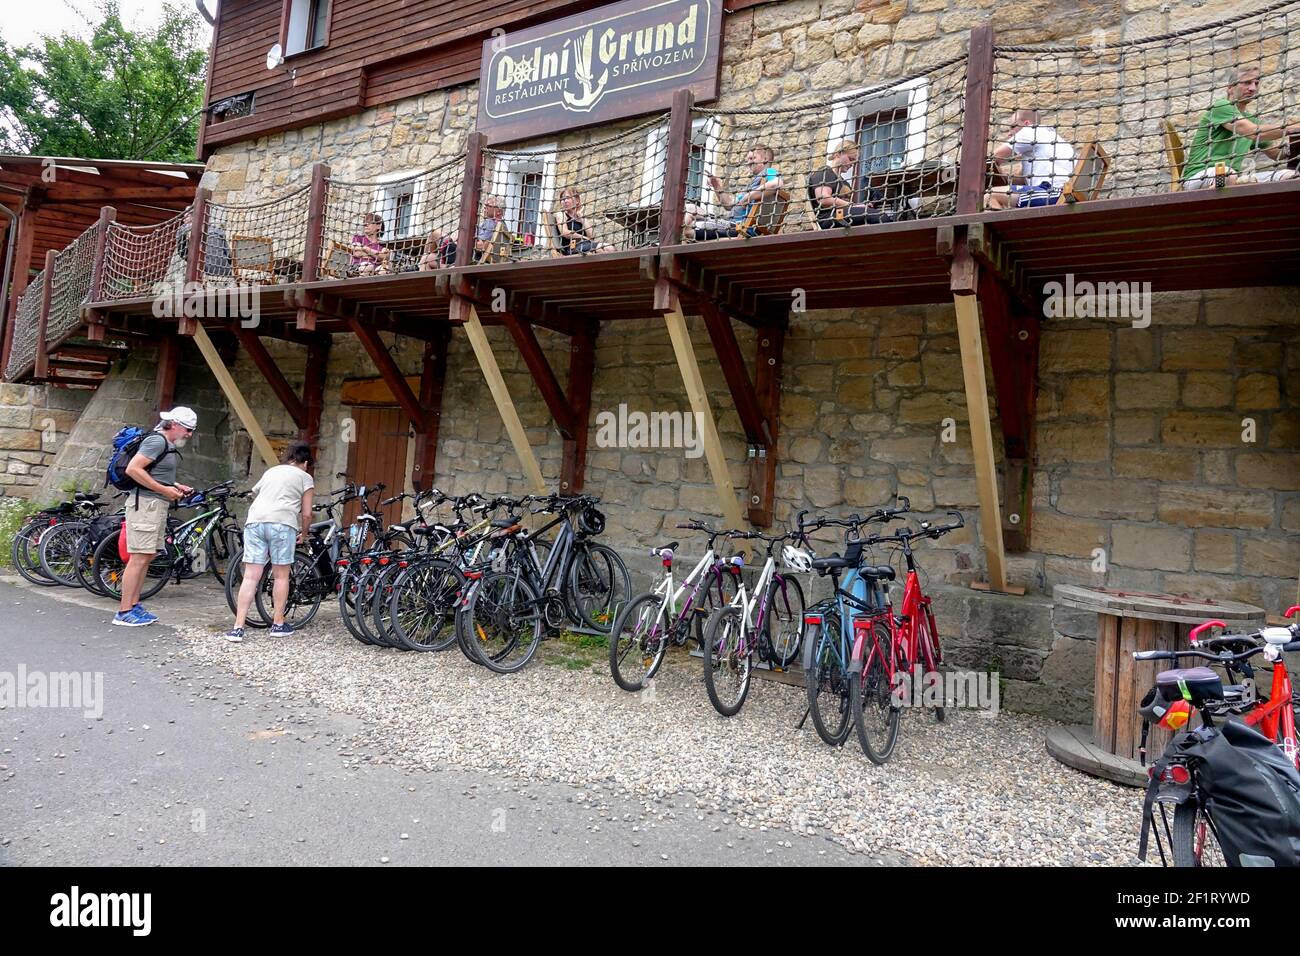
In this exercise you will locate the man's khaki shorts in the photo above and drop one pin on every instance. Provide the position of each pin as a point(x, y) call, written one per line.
point(146, 526)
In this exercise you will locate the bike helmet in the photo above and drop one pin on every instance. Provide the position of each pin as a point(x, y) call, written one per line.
point(591, 521)
point(1158, 709)
point(796, 559)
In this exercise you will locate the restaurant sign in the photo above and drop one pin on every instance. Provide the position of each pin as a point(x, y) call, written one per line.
point(619, 60)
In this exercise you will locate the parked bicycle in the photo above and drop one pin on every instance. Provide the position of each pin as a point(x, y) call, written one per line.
point(25, 548)
point(768, 621)
point(887, 646)
point(667, 614)
point(1223, 793)
point(64, 555)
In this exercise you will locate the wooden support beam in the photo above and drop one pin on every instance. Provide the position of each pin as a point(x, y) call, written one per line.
point(313, 389)
point(699, 399)
point(543, 374)
point(727, 347)
point(388, 370)
point(21, 269)
point(1012, 334)
point(768, 371)
point(271, 372)
point(976, 113)
point(169, 349)
point(981, 430)
point(433, 374)
point(582, 365)
point(469, 196)
point(107, 215)
point(41, 368)
point(464, 311)
point(675, 171)
point(317, 196)
point(233, 395)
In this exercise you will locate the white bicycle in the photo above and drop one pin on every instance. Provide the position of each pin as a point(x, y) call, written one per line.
point(657, 618)
point(770, 621)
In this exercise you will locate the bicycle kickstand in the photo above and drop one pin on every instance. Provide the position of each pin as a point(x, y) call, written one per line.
point(804, 719)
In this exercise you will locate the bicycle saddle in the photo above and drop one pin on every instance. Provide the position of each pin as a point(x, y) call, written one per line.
point(879, 572)
point(833, 563)
point(319, 526)
point(1201, 683)
point(670, 546)
point(504, 522)
point(86, 496)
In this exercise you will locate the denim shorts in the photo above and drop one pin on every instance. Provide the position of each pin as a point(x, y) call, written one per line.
point(268, 541)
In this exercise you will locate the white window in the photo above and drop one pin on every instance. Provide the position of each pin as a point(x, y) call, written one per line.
point(525, 182)
point(888, 126)
point(704, 150)
point(307, 27)
point(399, 200)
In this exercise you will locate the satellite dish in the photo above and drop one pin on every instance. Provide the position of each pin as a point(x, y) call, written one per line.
point(274, 57)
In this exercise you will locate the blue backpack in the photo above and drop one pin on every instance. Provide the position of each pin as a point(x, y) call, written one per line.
point(126, 444)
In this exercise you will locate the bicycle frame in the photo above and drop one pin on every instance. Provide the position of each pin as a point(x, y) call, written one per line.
point(688, 592)
point(753, 611)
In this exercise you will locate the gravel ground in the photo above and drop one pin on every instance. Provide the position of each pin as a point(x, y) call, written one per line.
point(974, 790)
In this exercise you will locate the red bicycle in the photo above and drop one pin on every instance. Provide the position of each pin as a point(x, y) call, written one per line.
point(889, 650)
point(1274, 717)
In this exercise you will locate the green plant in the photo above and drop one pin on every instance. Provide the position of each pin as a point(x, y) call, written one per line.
point(12, 513)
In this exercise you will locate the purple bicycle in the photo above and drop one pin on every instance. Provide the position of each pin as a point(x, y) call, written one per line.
point(663, 616)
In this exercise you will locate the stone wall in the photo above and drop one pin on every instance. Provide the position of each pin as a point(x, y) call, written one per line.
point(34, 422)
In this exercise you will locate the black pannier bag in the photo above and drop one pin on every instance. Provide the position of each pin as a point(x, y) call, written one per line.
point(1252, 792)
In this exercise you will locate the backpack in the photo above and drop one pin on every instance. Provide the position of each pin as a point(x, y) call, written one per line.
point(126, 443)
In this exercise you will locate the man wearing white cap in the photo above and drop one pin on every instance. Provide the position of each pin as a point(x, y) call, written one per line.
point(154, 471)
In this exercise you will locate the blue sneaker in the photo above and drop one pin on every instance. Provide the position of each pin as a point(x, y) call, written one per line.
point(144, 615)
point(281, 630)
point(129, 618)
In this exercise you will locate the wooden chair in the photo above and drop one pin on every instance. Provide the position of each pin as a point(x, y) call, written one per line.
point(498, 249)
point(766, 217)
point(1176, 155)
point(338, 263)
point(551, 236)
point(252, 257)
point(1089, 176)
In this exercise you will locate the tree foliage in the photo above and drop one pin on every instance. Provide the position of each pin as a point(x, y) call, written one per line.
point(122, 94)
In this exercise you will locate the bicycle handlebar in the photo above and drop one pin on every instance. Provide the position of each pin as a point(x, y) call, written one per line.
point(1223, 657)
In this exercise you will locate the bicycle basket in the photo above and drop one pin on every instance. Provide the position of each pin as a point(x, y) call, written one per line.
point(591, 521)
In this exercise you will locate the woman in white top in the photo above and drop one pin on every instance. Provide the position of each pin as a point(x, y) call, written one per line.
point(277, 521)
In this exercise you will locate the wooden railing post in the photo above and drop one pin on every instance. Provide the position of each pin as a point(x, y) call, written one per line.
point(194, 268)
point(976, 115)
point(41, 361)
point(676, 162)
point(316, 200)
point(94, 317)
point(469, 198)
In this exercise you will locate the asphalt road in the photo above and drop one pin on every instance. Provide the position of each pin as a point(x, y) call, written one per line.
point(190, 765)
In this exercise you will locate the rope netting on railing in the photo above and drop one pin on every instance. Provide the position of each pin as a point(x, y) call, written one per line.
point(136, 258)
point(73, 270)
point(22, 347)
point(1204, 107)
point(261, 243)
point(886, 153)
point(599, 195)
point(403, 223)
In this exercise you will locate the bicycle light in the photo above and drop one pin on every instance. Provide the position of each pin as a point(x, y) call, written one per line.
point(812, 619)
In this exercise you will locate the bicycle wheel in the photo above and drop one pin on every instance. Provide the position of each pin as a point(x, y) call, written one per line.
point(108, 569)
point(234, 580)
point(638, 641)
point(84, 565)
point(505, 621)
point(25, 553)
point(599, 586)
point(58, 552)
point(221, 544)
point(1194, 840)
point(828, 684)
point(871, 700)
point(931, 653)
point(423, 605)
point(728, 661)
point(784, 624)
point(367, 586)
point(381, 605)
point(349, 588)
point(306, 591)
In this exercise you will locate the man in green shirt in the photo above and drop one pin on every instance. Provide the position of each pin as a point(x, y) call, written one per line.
point(1227, 134)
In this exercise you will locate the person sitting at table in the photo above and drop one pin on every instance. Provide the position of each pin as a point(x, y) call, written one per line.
point(833, 195)
point(439, 251)
point(1227, 134)
point(369, 255)
point(1046, 162)
point(572, 226)
point(764, 184)
point(494, 211)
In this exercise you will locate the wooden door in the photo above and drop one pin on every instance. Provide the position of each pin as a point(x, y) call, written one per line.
point(377, 454)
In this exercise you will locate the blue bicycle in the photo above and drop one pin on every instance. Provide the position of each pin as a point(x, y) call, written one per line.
point(828, 651)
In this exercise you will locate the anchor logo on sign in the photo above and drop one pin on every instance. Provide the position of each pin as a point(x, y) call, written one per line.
point(583, 47)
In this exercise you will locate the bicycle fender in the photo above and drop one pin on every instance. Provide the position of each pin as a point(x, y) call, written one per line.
point(811, 641)
point(855, 659)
